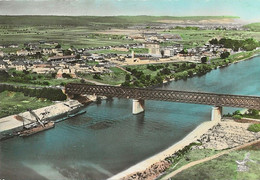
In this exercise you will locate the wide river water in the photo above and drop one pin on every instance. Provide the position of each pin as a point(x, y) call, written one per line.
point(108, 138)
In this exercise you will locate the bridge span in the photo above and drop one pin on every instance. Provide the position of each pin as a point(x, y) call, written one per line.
point(139, 95)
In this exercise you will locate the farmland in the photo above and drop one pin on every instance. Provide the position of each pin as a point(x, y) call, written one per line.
point(85, 31)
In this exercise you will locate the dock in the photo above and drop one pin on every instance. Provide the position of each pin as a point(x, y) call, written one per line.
point(13, 123)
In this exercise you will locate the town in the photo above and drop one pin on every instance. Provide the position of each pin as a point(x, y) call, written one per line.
point(77, 63)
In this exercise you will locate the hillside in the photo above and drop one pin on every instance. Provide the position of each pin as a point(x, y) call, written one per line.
point(105, 20)
point(253, 27)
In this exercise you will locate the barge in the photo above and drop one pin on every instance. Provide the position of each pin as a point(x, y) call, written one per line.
point(38, 128)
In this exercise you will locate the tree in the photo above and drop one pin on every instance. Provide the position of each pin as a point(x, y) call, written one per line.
point(127, 77)
point(126, 84)
point(58, 46)
point(224, 55)
point(162, 53)
point(204, 60)
point(253, 112)
point(3, 75)
point(213, 41)
point(82, 81)
point(192, 65)
point(190, 72)
point(184, 51)
point(25, 72)
point(165, 71)
point(148, 77)
point(67, 52)
point(38, 55)
point(151, 67)
point(65, 75)
point(97, 76)
point(159, 79)
point(53, 75)
point(46, 83)
point(77, 56)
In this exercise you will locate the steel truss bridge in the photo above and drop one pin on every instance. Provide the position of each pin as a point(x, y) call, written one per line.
point(217, 100)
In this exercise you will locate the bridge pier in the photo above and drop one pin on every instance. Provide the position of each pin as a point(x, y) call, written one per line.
point(138, 106)
point(216, 113)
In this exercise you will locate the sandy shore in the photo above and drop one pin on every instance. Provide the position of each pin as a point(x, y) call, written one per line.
point(191, 137)
point(16, 121)
point(217, 135)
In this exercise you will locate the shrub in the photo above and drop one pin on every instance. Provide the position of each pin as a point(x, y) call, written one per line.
point(48, 93)
point(97, 76)
point(46, 83)
point(224, 55)
point(254, 128)
point(237, 116)
point(65, 75)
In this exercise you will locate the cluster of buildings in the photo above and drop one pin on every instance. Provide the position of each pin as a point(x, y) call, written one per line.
point(201, 25)
point(76, 61)
point(176, 52)
point(65, 65)
point(154, 37)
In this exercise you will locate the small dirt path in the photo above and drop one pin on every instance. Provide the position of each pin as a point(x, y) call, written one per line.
point(172, 174)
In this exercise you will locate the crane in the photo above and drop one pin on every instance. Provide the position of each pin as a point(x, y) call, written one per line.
point(36, 117)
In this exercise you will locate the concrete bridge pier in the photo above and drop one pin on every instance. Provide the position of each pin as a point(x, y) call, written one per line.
point(216, 113)
point(138, 106)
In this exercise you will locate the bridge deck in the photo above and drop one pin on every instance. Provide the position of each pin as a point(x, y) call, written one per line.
point(250, 102)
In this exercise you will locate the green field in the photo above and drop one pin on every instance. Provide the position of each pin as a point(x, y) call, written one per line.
point(192, 155)
point(16, 102)
point(37, 80)
point(80, 32)
point(193, 38)
point(116, 77)
point(253, 27)
point(108, 51)
point(224, 167)
point(144, 69)
point(96, 21)
point(79, 37)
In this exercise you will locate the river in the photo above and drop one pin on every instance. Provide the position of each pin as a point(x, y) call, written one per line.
point(108, 138)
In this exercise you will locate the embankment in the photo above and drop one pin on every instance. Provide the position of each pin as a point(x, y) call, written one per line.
point(13, 123)
point(191, 137)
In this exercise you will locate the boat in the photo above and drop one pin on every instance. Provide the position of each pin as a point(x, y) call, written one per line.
point(76, 114)
point(38, 128)
point(70, 115)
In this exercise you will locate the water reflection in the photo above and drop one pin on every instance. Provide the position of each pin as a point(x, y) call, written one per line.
point(140, 120)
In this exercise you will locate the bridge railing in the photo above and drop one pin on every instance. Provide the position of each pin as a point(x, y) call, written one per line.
point(251, 102)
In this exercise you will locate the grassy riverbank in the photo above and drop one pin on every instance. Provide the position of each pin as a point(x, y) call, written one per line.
point(149, 75)
point(16, 102)
point(224, 167)
point(220, 142)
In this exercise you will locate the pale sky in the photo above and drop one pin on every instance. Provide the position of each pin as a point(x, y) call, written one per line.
point(246, 9)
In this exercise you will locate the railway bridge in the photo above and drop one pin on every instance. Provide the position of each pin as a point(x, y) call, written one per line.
point(139, 95)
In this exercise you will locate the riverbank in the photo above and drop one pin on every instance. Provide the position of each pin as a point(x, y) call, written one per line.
point(191, 137)
point(14, 123)
point(211, 135)
point(214, 64)
point(233, 59)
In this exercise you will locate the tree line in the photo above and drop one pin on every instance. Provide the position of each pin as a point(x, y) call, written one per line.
point(47, 93)
point(247, 44)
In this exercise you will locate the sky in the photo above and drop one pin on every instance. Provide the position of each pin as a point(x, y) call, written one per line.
point(245, 9)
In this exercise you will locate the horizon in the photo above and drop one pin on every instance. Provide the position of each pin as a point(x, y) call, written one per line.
point(245, 10)
point(224, 16)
